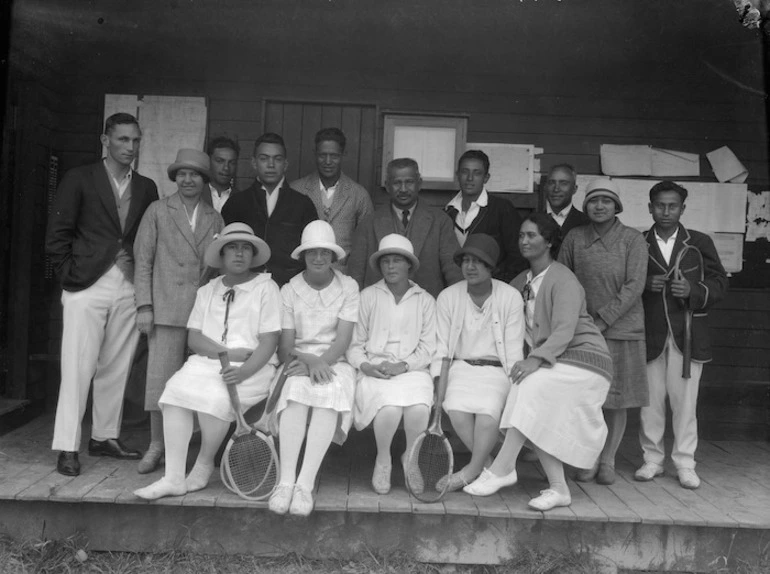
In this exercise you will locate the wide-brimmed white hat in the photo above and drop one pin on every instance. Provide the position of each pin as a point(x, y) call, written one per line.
point(236, 232)
point(394, 244)
point(318, 234)
point(191, 159)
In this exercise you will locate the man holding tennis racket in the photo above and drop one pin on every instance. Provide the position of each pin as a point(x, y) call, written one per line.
point(684, 276)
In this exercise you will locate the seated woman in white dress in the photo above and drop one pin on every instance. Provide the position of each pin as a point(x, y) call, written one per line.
point(480, 325)
point(559, 389)
point(393, 346)
point(320, 310)
point(238, 312)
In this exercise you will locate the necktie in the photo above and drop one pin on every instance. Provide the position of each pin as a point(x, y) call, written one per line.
point(405, 217)
point(228, 298)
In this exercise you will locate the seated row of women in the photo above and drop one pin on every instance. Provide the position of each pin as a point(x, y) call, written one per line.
point(526, 359)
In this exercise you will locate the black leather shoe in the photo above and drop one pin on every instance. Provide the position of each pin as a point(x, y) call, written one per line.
point(68, 463)
point(112, 447)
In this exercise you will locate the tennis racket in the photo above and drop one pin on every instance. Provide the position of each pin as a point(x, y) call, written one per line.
point(431, 457)
point(250, 462)
point(695, 273)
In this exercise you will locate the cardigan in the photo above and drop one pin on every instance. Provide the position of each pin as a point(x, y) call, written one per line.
point(351, 203)
point(612, 269)
point(664, 313)
point(507, 323)
point(169, 258)
point(84, 233)
point(499, 219)
point(282, 231)
point(434, 242)
point(417, 342)
point(562, 329)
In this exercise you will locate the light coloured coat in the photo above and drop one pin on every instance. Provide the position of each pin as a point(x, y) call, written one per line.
point(169, 258)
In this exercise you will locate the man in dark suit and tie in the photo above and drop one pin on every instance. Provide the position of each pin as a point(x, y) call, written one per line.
point(560, 186)
point(223, 158)
point(90, 239)
point(429, 230)
point(276, 212)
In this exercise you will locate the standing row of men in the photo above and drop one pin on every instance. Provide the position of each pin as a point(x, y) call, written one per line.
point(99, 206)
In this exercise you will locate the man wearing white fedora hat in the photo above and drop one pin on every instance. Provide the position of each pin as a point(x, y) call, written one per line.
point(90, 241)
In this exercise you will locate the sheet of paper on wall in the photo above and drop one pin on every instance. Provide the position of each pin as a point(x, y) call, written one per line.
point(511, 166)
point(727, 167)
point(432, 148)
point(729, 246)
point(645, 160)
point(758, 216)
point(169, 124)
point(710, 207)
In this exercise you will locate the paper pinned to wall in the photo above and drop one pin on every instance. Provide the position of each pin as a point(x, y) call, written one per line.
point(511, 166)
point(711, 207)
point(645, 160)
point(727, 167)
point(431, 147)
point(758, 216)
point(729, 246)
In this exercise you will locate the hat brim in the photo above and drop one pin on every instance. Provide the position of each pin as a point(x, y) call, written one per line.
point(374, 258)
point(477, 253)
point(175, 167)
point(338, 251)
point(212, 258)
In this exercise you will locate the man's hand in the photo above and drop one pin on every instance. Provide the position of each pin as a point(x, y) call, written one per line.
point(680, 287)
point(656, 283)
point(145, 321)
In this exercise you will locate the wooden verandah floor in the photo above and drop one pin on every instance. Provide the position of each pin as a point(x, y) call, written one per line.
point(632, 524)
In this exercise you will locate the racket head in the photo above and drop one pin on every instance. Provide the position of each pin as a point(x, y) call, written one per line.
point(250, 463)
point(429, 461)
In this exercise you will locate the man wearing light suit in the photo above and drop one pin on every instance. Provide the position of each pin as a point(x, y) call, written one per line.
point(428, 228)
point(90, 240)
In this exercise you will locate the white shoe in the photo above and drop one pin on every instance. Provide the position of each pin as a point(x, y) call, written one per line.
point(301, 502)
point(648, 471)
point(688, 478)
point(281, 498)
point(549, 499)
point(488, 483)
point(381, 478)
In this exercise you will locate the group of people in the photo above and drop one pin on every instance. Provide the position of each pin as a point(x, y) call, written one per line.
point(555, 325)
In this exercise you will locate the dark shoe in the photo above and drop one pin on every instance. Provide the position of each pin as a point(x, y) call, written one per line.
point(68, 463)
point(112, 447)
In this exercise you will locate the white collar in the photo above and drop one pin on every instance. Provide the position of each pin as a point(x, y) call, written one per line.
point(563, 213)
point(457, 201)
point(672, 238)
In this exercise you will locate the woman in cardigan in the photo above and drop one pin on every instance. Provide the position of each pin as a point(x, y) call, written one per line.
point(480, 324)
point(169, 248)
point(393, 346)
point(560, 387)
point(610, 261)
point(320, 310)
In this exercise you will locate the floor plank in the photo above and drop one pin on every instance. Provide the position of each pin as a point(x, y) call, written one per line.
point(605, 498)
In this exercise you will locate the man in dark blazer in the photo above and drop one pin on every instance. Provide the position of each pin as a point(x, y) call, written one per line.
point(475, 210)
point(560, 186)
point(670, 290)
point(223, 158)
point(90, 242)
point(276, 212)
point(429, 230)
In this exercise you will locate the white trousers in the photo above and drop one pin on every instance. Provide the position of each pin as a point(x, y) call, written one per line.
point(664, 376)
point(99, 338)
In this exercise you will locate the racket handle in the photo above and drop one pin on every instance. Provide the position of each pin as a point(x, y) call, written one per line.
point(443, 380)
point(235, 401)
point(224, 359)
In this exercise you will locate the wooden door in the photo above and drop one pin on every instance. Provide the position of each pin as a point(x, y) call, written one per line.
point(298, 123)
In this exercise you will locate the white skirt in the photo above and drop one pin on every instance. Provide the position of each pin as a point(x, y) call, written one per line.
point(338, 395)
point(559, 409)
point(198, 386)
point(405, 390)
point(477, 390)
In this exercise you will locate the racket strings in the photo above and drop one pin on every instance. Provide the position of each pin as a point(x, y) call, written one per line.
point(430, 462)
point(251, 465)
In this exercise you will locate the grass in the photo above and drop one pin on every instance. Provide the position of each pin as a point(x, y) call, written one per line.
point(71, 555)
